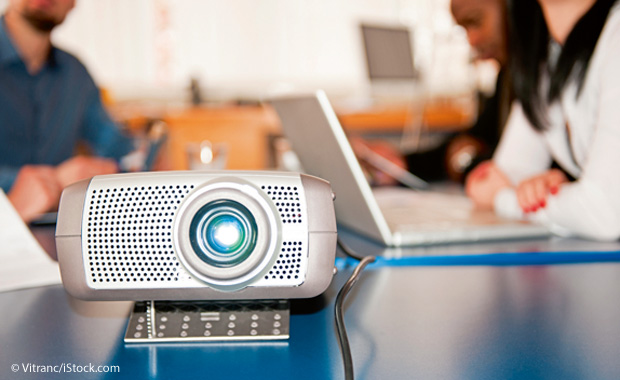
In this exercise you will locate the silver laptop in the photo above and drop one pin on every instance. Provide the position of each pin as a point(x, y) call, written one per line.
point(392, 216)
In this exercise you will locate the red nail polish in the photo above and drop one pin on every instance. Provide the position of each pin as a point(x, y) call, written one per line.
point(543, 204)
point(554, 190)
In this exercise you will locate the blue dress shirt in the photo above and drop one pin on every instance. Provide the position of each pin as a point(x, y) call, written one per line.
point(44, 116)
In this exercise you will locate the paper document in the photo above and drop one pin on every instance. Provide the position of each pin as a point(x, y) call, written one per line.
point(23, 263)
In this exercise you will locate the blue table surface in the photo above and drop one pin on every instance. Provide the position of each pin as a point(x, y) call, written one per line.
point(547, 309)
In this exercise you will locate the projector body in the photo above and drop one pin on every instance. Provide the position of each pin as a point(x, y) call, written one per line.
point(197, 236)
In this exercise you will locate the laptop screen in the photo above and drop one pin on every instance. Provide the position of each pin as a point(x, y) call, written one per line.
point(388, 52)
point(311, 126)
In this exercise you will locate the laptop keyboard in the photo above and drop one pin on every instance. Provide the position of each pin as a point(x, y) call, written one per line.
point(411, 209)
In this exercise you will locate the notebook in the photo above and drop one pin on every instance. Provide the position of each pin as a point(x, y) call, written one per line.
point(394, 216)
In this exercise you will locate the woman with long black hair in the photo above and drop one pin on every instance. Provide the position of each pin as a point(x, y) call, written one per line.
point(565, 62)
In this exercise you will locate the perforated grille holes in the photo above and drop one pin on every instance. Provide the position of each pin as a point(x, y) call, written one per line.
point(286, 200)
point(288, 265)
point(129, 233)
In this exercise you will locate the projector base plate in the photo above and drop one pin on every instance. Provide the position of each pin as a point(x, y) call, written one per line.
point(206, 321)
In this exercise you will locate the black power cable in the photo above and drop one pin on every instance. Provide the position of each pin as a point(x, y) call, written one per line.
point(343, 339)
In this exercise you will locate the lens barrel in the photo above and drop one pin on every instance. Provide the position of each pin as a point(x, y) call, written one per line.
point(223, 233)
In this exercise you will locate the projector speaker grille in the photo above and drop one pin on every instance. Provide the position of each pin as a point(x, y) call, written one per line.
point(286, 200)
point(128, 235)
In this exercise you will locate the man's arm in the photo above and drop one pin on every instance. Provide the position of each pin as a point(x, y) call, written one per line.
point(101, 133)
point(7, 177)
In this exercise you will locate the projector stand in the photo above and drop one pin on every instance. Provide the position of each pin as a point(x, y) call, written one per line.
point(201, 321)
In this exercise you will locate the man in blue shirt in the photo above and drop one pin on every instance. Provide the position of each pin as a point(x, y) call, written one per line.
point(48, 104)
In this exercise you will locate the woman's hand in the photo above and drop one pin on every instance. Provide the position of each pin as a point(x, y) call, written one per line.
point(533, 193)
point(483, 183)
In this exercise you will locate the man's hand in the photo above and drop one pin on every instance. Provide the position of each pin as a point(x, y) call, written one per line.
point(483, 183)
point(35, 191)
point(533, 193)
point(82, 167)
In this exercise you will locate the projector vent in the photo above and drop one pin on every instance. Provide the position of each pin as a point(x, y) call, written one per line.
point(286, 200)
point(288, 265)
point(129, 233)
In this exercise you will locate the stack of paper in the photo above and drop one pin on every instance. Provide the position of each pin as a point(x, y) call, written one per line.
point(24, 263)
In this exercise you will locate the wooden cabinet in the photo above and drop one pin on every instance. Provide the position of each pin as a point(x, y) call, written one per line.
point(245, 130)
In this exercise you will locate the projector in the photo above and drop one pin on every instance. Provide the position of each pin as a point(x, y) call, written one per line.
point(228, 235)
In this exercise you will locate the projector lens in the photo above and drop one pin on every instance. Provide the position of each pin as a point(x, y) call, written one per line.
point(223, 233)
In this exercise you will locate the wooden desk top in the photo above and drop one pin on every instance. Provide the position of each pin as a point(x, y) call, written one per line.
point(441, 116)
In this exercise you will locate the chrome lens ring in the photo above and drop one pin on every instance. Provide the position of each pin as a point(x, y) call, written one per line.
point(227, 267)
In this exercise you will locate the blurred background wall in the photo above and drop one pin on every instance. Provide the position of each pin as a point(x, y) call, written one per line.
point(150, 49)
